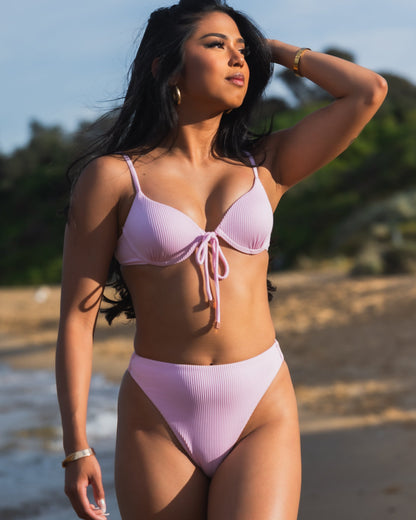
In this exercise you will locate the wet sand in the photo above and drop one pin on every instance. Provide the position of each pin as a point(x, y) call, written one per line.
point(350, 345)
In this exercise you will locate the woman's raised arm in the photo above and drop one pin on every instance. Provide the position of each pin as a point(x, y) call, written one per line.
point(90, 239)
point(296, 152)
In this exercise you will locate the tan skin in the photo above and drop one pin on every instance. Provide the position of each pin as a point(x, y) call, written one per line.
point(260, 478)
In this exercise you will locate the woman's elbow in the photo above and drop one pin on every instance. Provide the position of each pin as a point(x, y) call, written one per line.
point(377, 91)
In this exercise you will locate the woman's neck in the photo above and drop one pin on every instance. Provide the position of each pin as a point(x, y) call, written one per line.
point(194, 137)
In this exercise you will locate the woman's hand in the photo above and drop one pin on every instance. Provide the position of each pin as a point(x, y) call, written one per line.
point(79, 475)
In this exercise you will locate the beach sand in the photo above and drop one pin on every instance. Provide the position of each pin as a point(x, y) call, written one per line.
point(350, 346)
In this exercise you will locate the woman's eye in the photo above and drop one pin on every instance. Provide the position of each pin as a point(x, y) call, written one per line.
point(218, 44)
point(245, 51)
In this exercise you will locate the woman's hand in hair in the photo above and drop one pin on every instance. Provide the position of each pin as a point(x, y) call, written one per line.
point(296, 152)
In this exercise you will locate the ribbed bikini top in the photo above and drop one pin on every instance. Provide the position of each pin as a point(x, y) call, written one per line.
point(158, 234)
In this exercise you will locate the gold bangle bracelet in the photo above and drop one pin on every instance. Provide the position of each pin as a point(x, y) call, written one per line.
point(296, 61)
point(77, 455)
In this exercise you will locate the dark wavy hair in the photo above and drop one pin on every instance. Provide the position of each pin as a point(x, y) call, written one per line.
point(148, 117)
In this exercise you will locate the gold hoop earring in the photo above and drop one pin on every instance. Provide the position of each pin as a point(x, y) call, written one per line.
point(228, 111)
point(177, 96)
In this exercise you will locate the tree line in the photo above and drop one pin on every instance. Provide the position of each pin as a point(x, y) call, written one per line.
point(361, 206)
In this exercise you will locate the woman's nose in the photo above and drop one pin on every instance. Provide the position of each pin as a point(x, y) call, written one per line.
point(236, 58)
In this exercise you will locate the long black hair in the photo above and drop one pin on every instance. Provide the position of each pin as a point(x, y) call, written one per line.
point(147, 116)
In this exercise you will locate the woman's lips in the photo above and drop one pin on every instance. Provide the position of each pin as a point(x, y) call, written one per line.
point(236, 79)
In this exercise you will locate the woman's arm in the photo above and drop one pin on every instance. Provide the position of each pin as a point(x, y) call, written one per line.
point(297, 152)
point(90, 239)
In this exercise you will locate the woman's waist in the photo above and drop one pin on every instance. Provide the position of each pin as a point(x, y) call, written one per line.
point(196, 341)
point(177, 320)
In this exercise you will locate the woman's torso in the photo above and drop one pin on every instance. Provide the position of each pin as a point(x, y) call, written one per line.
point(222, 210)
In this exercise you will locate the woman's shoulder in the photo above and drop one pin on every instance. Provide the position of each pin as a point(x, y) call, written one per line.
point(105, 178)
point(106, 168)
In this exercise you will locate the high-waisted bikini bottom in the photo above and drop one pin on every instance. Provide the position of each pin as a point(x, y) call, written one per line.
point(207, 406)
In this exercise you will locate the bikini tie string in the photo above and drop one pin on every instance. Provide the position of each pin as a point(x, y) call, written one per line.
point(218, 261)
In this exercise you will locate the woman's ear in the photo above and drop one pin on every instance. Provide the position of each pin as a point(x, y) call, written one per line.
point(155, 70)
point(174, 80)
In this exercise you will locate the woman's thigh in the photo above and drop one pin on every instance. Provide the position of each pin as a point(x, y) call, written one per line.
point(154, 477)
point(261, 477)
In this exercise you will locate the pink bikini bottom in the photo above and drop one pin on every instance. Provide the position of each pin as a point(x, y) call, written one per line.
point(207, 406)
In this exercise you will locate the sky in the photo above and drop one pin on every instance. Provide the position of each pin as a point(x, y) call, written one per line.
point(63, 62)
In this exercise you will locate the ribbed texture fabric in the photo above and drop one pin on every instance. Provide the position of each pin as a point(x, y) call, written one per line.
point(207, 406)
point(158, 234)
point(248, 223)
point(155, 234)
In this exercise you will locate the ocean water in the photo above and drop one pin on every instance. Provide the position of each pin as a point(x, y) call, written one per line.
point(31, 476)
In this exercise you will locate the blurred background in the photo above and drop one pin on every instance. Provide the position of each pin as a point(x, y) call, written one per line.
point(343, 252)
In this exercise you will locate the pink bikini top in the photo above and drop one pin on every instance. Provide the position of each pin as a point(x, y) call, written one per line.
point(158, 234)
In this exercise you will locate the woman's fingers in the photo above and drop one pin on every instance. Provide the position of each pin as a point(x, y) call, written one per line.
point(85, 509)
point(79, 475)
point(98, 490)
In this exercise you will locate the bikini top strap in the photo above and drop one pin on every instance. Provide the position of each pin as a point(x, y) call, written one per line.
point(133, 173)
point(253, 164)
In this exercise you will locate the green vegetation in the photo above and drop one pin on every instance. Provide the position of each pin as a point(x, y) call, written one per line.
point(32, 195)
point(362, 205)
point(312, 219)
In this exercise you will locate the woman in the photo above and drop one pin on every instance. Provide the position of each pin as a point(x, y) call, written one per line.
point(182, 195)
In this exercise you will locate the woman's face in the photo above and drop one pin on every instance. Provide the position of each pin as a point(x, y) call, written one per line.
point(215, 73)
